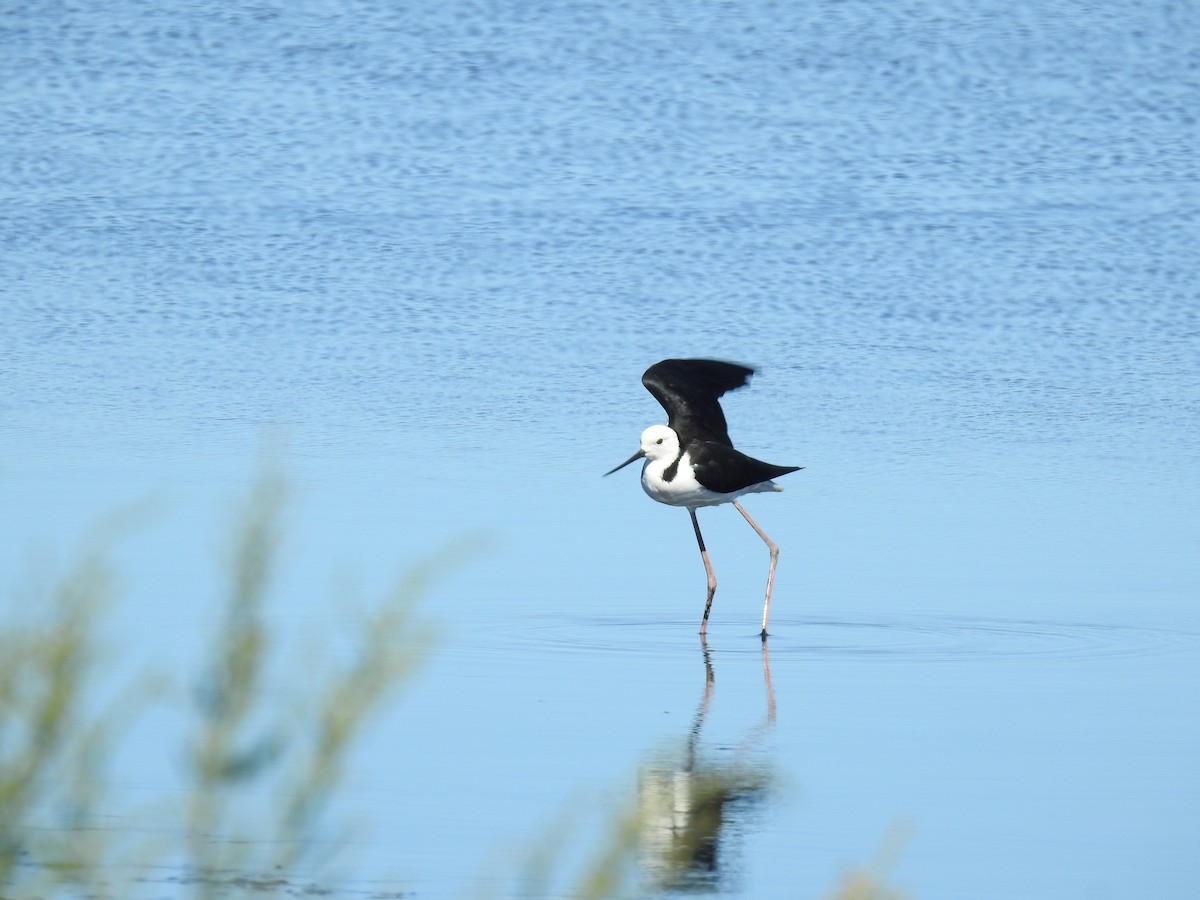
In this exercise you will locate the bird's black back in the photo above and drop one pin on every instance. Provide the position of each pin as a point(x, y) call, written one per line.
point(725, 470)
point(688, 390)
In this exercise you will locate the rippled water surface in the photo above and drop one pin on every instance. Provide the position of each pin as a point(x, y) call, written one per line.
point(428, 249)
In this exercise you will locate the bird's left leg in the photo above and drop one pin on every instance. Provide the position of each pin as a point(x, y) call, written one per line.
point(712, 579)
point(770, 572)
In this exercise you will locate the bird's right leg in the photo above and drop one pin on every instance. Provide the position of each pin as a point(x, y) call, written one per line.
point(771, 571)
point(712, 579)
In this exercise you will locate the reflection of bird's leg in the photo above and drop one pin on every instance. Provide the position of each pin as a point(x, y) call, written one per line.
point(702, 709)
point(766, 661)
point(770, 572)
point(712, 579)
point(755, 735)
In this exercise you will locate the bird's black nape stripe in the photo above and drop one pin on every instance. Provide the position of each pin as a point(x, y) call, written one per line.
point(672, 470)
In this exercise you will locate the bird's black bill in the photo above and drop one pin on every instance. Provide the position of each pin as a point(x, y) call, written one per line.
point(635, 456)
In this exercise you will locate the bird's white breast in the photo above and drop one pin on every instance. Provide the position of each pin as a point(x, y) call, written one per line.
point(683, 489)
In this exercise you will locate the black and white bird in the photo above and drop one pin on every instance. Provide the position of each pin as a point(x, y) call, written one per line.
point(691, 461)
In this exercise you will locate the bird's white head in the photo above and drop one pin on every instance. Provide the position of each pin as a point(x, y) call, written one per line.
point(658, 442)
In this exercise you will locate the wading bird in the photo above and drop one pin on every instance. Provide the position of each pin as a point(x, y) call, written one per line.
point(691, 462)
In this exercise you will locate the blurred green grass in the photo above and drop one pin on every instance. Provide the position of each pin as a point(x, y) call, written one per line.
point(56, 746)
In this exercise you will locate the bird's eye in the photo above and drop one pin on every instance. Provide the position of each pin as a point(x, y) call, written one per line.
point(659, 441)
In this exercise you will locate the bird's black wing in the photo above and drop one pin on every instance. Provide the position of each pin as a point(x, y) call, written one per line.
point(723, 469)
point(688, 390)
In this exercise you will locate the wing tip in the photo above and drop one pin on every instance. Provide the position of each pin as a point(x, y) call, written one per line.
point(719, 373)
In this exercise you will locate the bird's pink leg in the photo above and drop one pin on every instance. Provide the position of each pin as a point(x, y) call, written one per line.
point(770, 572)
point(712, 579)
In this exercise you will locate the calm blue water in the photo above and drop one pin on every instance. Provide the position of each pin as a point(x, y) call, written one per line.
point(428, 249)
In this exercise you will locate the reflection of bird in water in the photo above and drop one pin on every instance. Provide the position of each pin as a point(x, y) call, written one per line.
point(690, 805)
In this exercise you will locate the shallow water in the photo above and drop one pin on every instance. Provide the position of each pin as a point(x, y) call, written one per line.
point(428, 251)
